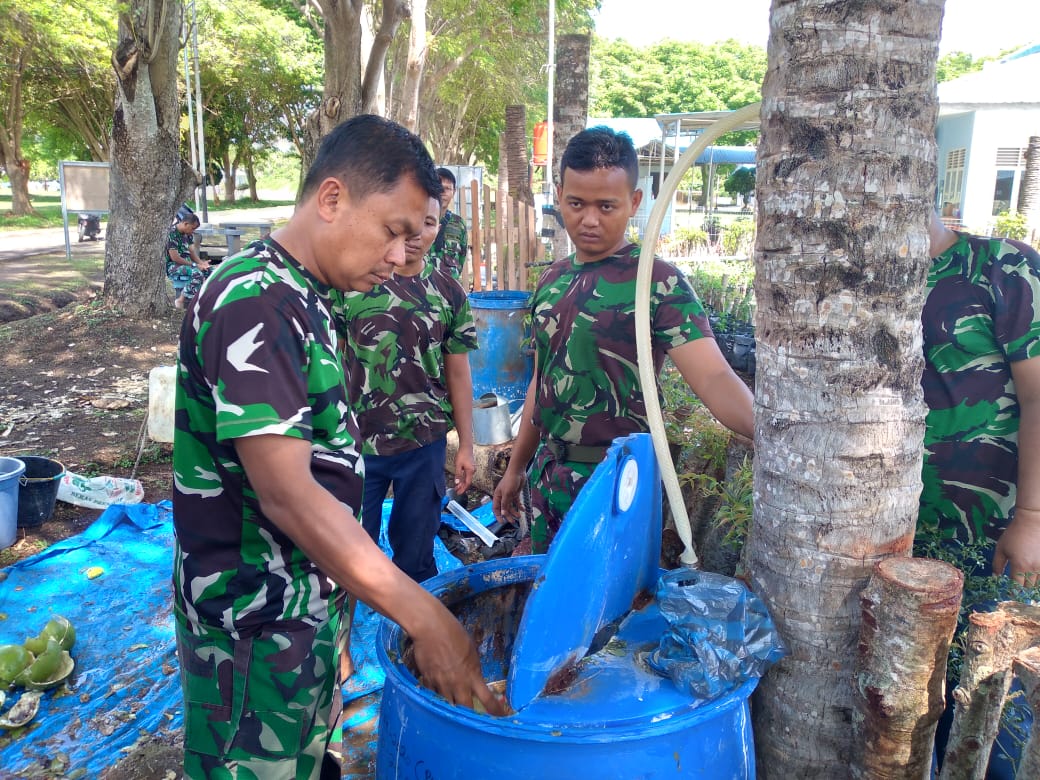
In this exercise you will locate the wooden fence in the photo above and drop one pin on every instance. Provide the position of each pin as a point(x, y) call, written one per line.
point(503, 241)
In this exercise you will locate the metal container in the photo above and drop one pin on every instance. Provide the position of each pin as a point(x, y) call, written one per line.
point(491, 420)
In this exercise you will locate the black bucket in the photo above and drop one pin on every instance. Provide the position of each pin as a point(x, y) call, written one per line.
point(39, 489)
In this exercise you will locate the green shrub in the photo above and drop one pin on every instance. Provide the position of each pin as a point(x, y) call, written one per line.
point(1011, 225)
point(738, 238)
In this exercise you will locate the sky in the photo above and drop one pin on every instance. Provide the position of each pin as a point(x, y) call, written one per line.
point(979, 27)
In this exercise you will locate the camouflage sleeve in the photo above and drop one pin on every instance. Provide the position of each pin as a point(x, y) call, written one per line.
point(460, 335)
point(254, 358)
point(1015, 287)
point(678, 316)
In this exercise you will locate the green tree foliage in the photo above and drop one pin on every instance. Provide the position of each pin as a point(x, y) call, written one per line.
point(260, 74)
point(740, 182)
point(673, 77)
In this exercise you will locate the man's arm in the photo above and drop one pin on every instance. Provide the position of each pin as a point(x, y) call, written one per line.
point(1019, 545)
point(278, 468)
point(460, 393)
point(708, 374)
point(506, 500)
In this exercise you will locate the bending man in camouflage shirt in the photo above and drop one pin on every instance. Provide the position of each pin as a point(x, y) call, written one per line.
point(268, 477)
point(407, 344)
point(585, 391)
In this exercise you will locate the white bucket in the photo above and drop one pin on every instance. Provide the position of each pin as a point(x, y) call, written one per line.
point(161, 383)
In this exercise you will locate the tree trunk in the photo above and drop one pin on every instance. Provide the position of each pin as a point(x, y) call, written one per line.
point(994, 640)
point(846, 171)
point(341, 98)
point(148, 178)
point(1027, 670)
point(1029, 193)
point(416, 62)
point(11, 121)
point(570, 111)
point(910, 609)
point(516, 151)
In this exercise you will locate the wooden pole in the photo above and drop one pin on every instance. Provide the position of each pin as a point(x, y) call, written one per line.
point(477, 235)
point(1027, 669)
point(993, 641)
point(910, 608)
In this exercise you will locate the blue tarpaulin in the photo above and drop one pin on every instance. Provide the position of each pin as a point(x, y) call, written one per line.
point(125, 686)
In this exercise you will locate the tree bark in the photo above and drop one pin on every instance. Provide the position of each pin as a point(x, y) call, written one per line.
point(846, 172)
point(414, 65)
point(570, 111)
point(11, 122)
point(148, 179)
point(516, 152)
point(994, 640)
point(1029, 193)
point(1027, 668)
point(910, 609)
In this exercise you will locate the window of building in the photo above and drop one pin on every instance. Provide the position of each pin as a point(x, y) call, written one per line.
point(953, 184)
point(1011, 164)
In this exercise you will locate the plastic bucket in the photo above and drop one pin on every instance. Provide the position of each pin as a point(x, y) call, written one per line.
point(618, 719)
point(39, 489)
point(10, 470)
point(503, 363)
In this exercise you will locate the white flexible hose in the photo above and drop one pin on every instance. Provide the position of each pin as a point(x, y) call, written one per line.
point(647, 376)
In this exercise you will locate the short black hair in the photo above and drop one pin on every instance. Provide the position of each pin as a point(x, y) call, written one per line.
point(189, 219)
point(445, 173)
point(600, 147)
point(371, 154)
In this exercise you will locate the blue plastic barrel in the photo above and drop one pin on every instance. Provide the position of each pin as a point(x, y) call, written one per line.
point(617, 719)
point(502, 364)
point(10, 471)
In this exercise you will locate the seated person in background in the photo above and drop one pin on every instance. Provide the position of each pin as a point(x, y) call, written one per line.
point(449, 248)
point(185, 270)
point(406, 348)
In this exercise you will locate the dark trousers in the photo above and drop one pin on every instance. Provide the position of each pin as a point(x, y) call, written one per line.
point(417, 479)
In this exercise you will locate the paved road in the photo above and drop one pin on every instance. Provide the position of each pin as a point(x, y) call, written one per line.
point(18, 244)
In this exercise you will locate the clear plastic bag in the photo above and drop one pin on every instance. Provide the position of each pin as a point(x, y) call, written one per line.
point(719, 633)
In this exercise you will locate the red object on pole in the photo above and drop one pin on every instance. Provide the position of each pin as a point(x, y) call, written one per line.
point(541, 143)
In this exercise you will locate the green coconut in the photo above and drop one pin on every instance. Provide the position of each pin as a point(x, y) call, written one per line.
point(14, 659)
point(60, 629)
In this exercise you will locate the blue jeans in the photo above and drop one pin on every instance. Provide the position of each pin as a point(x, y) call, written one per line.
point(417, 479)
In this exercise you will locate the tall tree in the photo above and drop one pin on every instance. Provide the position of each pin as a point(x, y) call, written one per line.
point(846, 172)
point(149, 179)
point(349, 89)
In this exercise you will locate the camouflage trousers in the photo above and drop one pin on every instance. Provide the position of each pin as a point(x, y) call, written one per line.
point(261, 707)
point(554, 486)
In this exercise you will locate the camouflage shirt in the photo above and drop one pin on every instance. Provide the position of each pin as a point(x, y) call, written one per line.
point(179, 242)
point(397, 336)
point(448, 252)
point(583, 330)
point(982, 314)
point(258, 355)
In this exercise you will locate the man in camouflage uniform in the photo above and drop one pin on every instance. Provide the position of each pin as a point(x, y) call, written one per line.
point(585, 391)
point(184, 269)
point(268, 476)
point(407, 344)
point(981, 474)
point(448, 252)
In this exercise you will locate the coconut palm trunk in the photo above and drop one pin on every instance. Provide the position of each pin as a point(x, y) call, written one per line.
point(845, 180)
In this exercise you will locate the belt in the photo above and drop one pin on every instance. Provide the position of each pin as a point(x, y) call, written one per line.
point(575, 453)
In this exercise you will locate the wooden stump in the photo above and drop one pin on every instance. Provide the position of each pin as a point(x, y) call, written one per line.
point(1027, 668)
point(910, 608)
point(994, 640)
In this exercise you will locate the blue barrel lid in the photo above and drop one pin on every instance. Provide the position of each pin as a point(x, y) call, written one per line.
point(499, 299)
